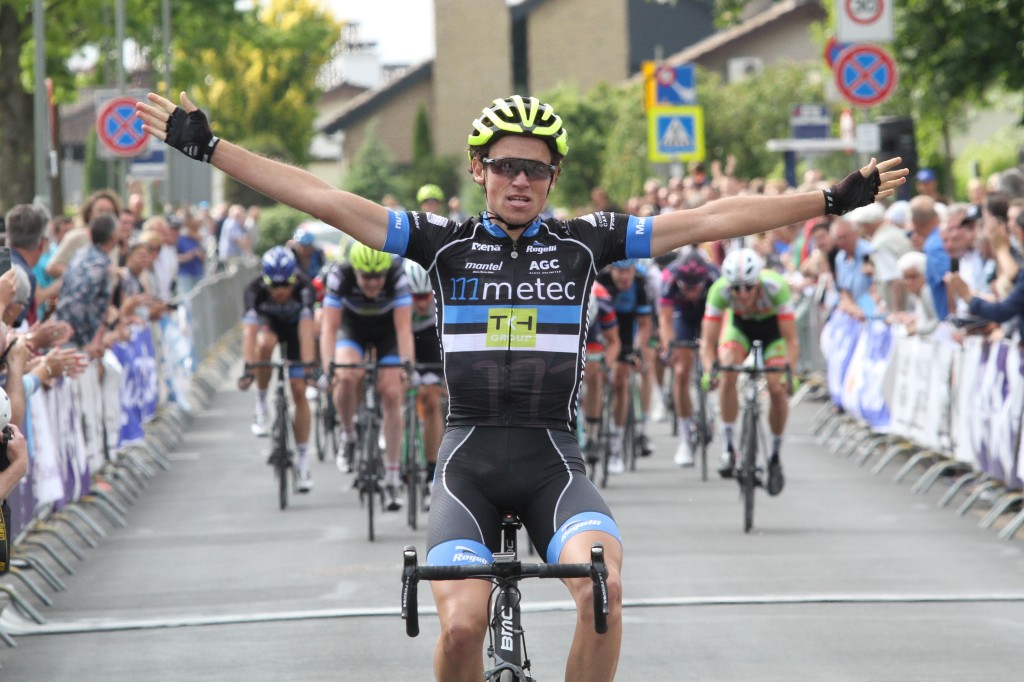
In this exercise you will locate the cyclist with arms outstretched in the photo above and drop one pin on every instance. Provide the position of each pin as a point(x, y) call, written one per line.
point(513, 290)
point(750, 303)
point(279, 308)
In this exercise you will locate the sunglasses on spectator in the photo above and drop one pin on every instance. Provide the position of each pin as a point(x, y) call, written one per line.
point(371, 275)
point(737, 288)
point(511, 168)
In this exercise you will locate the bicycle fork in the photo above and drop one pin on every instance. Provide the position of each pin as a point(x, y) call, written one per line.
point(507, 647)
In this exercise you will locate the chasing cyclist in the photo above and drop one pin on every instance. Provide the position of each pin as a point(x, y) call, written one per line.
point(279, 309)
point(513, 354)
point(684, 291)
point(367, 306)
point(632, 303)
point(428, 352)
point(602, 346)
point(754, 304)
point(308, 255)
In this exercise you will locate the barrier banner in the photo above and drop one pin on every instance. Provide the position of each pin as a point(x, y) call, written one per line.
point(996, 400)
point(878, 342)
point(139, 385)
point(853, 375)
point(968, 420)
point(838, 341)
point(920, 400)
point(176, 357)
point(66, 421)
point(47, 472)
point(90, 400)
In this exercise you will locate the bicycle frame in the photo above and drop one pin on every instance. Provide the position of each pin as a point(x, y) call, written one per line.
point(509, 656)
point(700, 435)
point(751, 438)
point(281, 454)
point(369, 468)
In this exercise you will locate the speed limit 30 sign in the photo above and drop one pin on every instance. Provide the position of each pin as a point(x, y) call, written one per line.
point(864, 21)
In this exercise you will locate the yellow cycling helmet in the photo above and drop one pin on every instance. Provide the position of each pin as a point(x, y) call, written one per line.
point(518, 115)
point(365, 259)
point(429, 191)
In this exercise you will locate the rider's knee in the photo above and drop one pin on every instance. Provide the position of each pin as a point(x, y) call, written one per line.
point(462, 635)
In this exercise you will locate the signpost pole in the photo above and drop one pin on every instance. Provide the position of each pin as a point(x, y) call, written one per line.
point(40, 122)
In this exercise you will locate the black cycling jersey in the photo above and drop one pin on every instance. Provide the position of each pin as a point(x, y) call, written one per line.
point(515, 313)
point(343, 292)
point(280, 318)
point(261, 308)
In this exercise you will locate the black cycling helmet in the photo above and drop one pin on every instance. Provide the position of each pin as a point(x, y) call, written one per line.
point(692, 269)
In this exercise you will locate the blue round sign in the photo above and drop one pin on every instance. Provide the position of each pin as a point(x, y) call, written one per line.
point(865, 74)
point(119, 129)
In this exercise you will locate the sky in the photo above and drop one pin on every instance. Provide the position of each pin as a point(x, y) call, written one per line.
point(402, 29)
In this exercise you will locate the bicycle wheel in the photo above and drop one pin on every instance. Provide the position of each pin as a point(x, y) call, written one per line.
point(319, 432)
point(413, 469)
point(506, 676)
point(368, 472)
point(629, 444)
point(606, 435)
point(748, 467)
point(700, 431)
point(280, 456)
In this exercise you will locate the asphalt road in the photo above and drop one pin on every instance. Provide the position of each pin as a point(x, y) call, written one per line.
point(847, 576)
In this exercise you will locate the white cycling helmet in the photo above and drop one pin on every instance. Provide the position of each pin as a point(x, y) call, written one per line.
point(5, 409)
point(742, 266)
point(419, 281)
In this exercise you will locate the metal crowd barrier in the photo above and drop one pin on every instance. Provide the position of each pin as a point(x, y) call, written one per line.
point(116, 423)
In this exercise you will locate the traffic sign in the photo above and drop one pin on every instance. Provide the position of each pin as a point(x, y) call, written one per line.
point(833, 48)
point(119, 129)
point(864, 21)
point(675, 85)
point(810, 120)
point(675, 134)
point(866, 75)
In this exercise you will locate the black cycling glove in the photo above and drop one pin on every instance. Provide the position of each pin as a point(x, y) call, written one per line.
point(190, 134)
point(852, 192)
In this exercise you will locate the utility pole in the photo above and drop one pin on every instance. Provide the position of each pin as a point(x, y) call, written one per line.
point(40, 120)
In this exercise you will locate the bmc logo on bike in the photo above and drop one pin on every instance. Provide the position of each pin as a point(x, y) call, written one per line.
point(506, 630)
point(511, 328)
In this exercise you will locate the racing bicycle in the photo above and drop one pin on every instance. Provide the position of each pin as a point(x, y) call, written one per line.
point(370, 462)
point(703, 421)
point(753, 448)
point(281, 455)
point(506, 642)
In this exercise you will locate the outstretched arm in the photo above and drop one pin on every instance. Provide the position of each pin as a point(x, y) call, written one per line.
point(360, 218)
point(749, 214)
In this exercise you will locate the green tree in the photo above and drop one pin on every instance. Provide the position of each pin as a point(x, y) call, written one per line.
point(740, 117)
point(372, 174)
point(72, 25)
point(426, 167)
point(261, 82)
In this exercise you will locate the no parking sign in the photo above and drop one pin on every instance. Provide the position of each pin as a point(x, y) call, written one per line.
point(864, 21)
point(865, 74)
point(118, 128)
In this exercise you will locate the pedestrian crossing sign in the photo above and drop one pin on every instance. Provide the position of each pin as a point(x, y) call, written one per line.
point(675, 134)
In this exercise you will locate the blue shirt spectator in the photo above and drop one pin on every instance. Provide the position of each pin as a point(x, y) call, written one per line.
point(938, 265)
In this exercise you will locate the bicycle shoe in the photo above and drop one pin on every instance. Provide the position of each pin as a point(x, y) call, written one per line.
point(304, 481)
point(259, 424)
point(776, 481)
point(728, 466)
point(394, 501)
point(645, 446)
point(593, 456)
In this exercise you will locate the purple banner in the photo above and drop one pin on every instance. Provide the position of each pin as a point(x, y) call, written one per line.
point(139, 387)
point(878, 341)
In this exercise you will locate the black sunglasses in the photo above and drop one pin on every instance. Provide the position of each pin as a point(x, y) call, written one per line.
point(741, 287)
point(511, 168)
point(371, 275)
